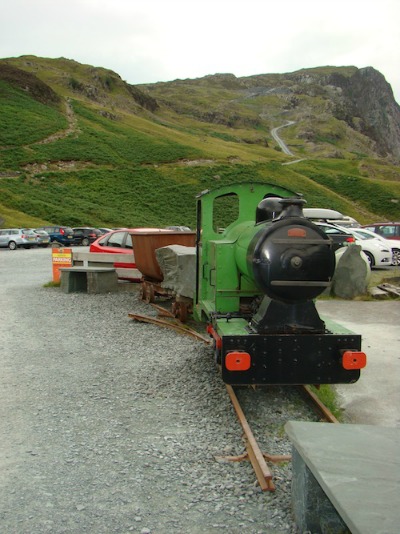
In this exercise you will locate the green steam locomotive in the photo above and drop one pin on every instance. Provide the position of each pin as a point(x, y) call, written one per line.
point(260, 265)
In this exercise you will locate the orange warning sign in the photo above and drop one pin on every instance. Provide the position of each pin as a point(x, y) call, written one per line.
point(62, 257)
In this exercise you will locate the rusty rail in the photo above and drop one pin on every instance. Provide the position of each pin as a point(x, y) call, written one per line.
point(170, 323)
point(254, 454)
point(324, 410)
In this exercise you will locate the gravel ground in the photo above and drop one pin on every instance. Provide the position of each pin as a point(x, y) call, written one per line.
point(110, 425)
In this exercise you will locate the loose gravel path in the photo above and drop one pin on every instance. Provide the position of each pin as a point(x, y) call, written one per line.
point(114, 426)
point(109, 425)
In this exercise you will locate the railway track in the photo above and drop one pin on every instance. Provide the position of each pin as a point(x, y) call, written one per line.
point(319, 406)
point(254, 454)
point(259, 459)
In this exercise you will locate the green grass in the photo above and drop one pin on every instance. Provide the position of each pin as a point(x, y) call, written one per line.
point(25, 120)
point(52, 284)
point(328, 397)
point(122, 166)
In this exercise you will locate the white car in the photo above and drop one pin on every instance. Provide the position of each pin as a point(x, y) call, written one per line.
point(390, 243)
point(378, 252)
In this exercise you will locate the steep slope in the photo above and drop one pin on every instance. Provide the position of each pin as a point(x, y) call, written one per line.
point(336, 112)
point(78, 145)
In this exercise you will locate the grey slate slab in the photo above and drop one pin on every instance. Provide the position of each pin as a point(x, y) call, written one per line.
point(358, 467)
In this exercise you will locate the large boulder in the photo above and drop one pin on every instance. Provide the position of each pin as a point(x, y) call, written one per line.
point(351, 275)
point(178, 265)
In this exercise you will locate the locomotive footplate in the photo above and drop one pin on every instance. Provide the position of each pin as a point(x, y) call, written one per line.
point(287, 359)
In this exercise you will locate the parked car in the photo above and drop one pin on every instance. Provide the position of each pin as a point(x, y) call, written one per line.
point(330, 216)
point(390, 244)
point(340, 237)
point(17, 237)
point(390, 231)
point(115, 242)
point(42, 238)
point(386, 230)
point(105, 230)
point(63, 235)
point(179, 228)
point(378, 253)
point(119, 242)
point(84, 235)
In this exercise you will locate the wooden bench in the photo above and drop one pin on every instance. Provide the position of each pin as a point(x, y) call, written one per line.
point(88, 279)
point(346, 478)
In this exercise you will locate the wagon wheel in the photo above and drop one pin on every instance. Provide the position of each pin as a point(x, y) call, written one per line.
point(180, 311)
point(147, 292)
point(143, 291)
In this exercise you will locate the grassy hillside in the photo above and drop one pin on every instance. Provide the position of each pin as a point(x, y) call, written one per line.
point(96, 151)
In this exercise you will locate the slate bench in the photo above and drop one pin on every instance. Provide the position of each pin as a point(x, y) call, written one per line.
point(88, 279)
point(346, 478)
point(123, 263)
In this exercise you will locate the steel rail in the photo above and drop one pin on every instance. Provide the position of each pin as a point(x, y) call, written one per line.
point(173, 324)
point(324, 410)
point(254, 454)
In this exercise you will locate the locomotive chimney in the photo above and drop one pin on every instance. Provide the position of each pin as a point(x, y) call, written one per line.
point(291, 207)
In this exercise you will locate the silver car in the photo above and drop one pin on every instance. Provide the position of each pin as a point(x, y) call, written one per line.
point(42, 237)
point(17, 237)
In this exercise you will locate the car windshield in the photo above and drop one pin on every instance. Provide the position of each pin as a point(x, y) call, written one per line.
point(116, 239)
point(361, 235)
point(332, 230)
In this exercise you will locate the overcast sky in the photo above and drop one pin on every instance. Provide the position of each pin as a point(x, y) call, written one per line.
point(147, 41)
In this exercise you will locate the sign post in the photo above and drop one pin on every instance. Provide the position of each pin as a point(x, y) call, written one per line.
point(61, 257)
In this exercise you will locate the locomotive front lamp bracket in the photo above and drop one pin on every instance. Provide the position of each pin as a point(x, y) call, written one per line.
point(353, 359)
point(237, 360)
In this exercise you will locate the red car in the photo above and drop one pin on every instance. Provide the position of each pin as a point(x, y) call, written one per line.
point(120, 242)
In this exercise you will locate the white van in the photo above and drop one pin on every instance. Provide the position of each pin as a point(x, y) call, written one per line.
point(330, 216)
